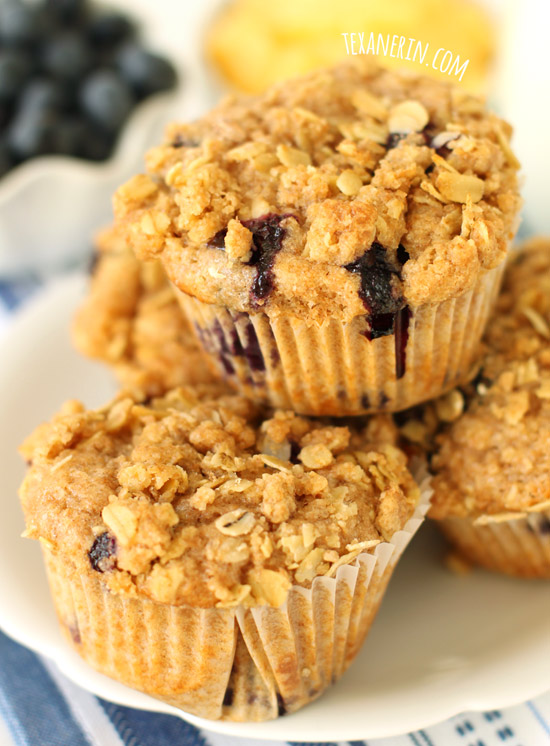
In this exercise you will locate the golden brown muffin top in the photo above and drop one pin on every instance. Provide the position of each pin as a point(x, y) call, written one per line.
point(195, 499)
point(132, 321)
point(494, 459)
point(348, 190)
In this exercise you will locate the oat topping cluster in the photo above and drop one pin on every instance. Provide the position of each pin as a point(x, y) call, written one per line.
point(193, 499)
point(271, 201)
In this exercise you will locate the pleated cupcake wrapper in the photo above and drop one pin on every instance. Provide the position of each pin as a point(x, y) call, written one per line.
point(518, 546)
point(332, 368)
point(241, 663)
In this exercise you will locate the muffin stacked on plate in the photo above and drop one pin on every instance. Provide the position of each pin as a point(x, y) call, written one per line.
point(227, 563)
point(336, 244)
point(492, 464)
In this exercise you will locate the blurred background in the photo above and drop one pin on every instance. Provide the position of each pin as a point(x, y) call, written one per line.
point(86, 87)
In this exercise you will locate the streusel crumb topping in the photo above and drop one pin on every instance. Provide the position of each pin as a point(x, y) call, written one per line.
point(269, 201)
point(132, 321)
point(193, 499)
point(494, 459)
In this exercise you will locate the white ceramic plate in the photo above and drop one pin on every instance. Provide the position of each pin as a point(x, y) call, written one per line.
point(442, 644)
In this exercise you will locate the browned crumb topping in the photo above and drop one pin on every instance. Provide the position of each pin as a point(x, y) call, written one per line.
point(132, 321)
point(494, 459)
point(345, 159)
point(193, 499)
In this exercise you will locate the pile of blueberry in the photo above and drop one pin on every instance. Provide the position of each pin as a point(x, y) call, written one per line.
point(70, 74)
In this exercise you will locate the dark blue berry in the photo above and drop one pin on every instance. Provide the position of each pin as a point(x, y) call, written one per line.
point(6, 113)
point(376, 287)
point(147, 73)
point(401, 331)
point(381, 296)
point(15, 68)
point(66, 11)
point(394, 139)
point(67, 56)
point(106, 99)
point(20, 23)
point(109, 29)
point(267, 241)
point(69, 136)
point(102, 554)
point(6, 160)
point(44, 94)
point(31, 134)
point(96, 145)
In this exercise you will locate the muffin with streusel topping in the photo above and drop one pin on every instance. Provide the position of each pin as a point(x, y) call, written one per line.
point(131, 321)
point(492, 464)
point(338, 240)
point(225, 562)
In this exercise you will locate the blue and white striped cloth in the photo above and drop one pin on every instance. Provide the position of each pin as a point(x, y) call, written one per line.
point(40, 707)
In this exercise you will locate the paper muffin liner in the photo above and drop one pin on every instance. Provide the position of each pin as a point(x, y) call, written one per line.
point(333, 369)
point(240, 664)
point(509, 543)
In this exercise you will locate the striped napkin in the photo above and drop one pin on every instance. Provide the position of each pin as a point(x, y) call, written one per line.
point(40, 707)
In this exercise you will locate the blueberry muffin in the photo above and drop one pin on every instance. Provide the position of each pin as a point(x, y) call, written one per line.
point(223, 561)
point(131, 321)
point(338, 240)
point(492, 463)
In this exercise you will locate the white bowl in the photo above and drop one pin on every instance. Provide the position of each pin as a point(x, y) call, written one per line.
point(51, 206)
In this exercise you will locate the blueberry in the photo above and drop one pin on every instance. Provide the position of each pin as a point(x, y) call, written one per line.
point(67, 56)
point(96, 146)
point(20, 23)
point(109, 29)
point(44, 94)
point(147, 73)
point(102, 554)
point(376, 289)
point(267, 241)
point(6, 113)
point(6, 161)
point(31, 134)
point(106, 99)
point(66, 11)
point(69, 136)
point(15, 67)
point(394, 138)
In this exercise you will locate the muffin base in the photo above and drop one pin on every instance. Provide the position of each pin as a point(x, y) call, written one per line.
point(518, 547)
point(240, 664)
point(333, 368)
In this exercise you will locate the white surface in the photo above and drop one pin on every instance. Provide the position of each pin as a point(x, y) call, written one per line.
point(441, 644)
point(5, 735)
point(521, 95)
